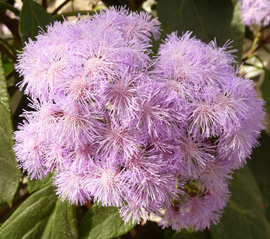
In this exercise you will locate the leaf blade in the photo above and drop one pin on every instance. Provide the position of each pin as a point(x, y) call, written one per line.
point(208, 19)
point(9, 173)
point(41, 215)
point(30, 218)
point(103, 223)
point(35, 184)
point(32, 18)
point(243, 217)
point(62, 223)
point(265, 88)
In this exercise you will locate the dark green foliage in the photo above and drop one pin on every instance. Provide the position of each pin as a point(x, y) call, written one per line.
point(243, 216)
point(33, 17)
point(9, 173)
point(208, 19)
point(103, 223)
point(35, 184)
point(265, 88)
point(41, 216)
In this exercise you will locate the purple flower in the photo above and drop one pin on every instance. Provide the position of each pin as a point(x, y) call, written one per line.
point(29, 149)
point(148, 136)
point(255, 11)
point(193, 156)
point(105, 182)
point(70, 183)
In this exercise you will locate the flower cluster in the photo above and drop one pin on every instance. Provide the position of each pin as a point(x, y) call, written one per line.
point(121, 129)
point(255, 11)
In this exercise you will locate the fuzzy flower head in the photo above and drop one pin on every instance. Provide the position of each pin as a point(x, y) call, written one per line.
point(256, 12)
point(121, 129)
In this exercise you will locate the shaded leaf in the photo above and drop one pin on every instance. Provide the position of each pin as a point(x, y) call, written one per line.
point(260, 165)
point(35, 184)
point(267, 213)
point(9, 173)
point(41, 216)
point(62, 222)
point(32, 18)
point(265, 89)
point(103, 223)
point(156, 43)
point(2, 204)
point(208, 19)
point(169, 233)
point(243, 217)
point(30, 219)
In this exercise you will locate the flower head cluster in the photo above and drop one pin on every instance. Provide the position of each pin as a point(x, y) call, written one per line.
point(256, 11)
point(143, 135)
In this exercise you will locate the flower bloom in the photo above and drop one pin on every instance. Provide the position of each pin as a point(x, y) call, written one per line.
point(144, 135)
point(256, 12)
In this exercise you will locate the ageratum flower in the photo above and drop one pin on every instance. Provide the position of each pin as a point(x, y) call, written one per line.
point(256, 12)
point(123, 130)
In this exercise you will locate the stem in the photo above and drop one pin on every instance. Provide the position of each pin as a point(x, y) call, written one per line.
point(72, 5)
point(89, 204)
point(9, 75)
point(261, 44)
point(11, 24)
point(266, 49)
point(4, 5)
point(5, 51)
point(58, 8)
point(256, 40)
point(260, 60)
point(5, 43)
point(257, 67)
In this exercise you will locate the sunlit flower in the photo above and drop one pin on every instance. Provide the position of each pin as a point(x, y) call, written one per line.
point(255, 11)
point(149, 136)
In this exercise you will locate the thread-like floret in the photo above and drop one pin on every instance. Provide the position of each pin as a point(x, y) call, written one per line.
point(144, 135)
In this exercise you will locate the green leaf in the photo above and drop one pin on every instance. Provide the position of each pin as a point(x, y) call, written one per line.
point(267, 213)
point(243, 217)
point(265, 88)
point(260, 165)
point(35, 184)
point(9, 173)
point(62, 222)
point(41, 216)
point(208, 19)
point(30, 219)
point(32, 17)
point(2, 205)
point(103, 223)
